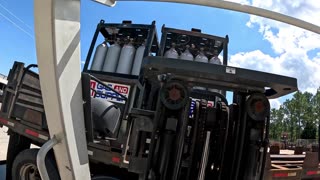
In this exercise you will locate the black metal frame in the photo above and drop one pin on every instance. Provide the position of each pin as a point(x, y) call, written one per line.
point(242, 82)
point(207, 95)
point(219, 77)
point(126, 28)
point(171, 35)
point(265, 145)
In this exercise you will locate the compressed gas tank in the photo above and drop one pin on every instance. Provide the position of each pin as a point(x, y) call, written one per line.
point(215, 60)
point(138, 60)
point(126, 58)
point(106, 116)
point(186, 55)
point(112, 57)
point(99, 56)
point(201, 57)
point(172, 53)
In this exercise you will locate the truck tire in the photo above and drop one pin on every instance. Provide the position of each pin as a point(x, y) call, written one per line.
point(25, 166)
point(17, 143)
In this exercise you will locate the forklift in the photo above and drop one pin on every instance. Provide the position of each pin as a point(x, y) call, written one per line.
point(158, 135)
point(157, 124)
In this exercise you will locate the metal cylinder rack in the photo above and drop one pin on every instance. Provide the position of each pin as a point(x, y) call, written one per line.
point(122, 33)
point(211, 45)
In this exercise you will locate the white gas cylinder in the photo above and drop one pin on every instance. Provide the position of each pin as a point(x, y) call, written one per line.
point(112, 57)
point(186, 55)
point(99, 56)
point(172, 53)
point(138, 60)
point(201, 57)
point(126, 58)
point(215, 60)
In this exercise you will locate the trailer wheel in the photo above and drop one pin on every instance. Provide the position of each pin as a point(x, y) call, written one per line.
point(17, 143)
point(25, 166)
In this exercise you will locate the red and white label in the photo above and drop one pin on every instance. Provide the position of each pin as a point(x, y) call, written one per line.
point(6, 122)
point(105, 93)
point(115, 159)
point(309, 173)
point(279, 175)
point(36, 134)
point(209, 103)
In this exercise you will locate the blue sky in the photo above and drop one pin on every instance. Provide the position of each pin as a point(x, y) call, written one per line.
point(16, 44)
point(255, 43)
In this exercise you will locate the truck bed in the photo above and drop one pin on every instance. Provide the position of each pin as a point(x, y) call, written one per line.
point(23, 113)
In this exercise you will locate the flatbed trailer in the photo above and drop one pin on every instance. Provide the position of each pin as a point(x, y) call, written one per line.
point(304, 166)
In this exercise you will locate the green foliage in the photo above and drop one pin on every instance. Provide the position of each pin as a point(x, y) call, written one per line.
point(309, 132)
point(299, 117)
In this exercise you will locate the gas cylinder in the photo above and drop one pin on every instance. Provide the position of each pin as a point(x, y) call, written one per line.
point(112, 57)
point(172, 53)
point(201, 57)
point(99, 56)
point(186, 55)
point(105, 115)
point(126, 58)
point(138, 60)
point(215, 60)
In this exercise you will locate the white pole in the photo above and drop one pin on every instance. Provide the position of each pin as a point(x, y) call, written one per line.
point(57, 29)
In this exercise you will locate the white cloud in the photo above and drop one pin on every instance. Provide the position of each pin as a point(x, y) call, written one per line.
point(275, 103)
point(290, 44)
point(295, 64)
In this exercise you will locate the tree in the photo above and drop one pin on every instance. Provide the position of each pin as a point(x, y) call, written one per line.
point(299, 115)
point(290, 118)
point(316, 108)
point(273, 124)
point(309, 132)
point(276, 123)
